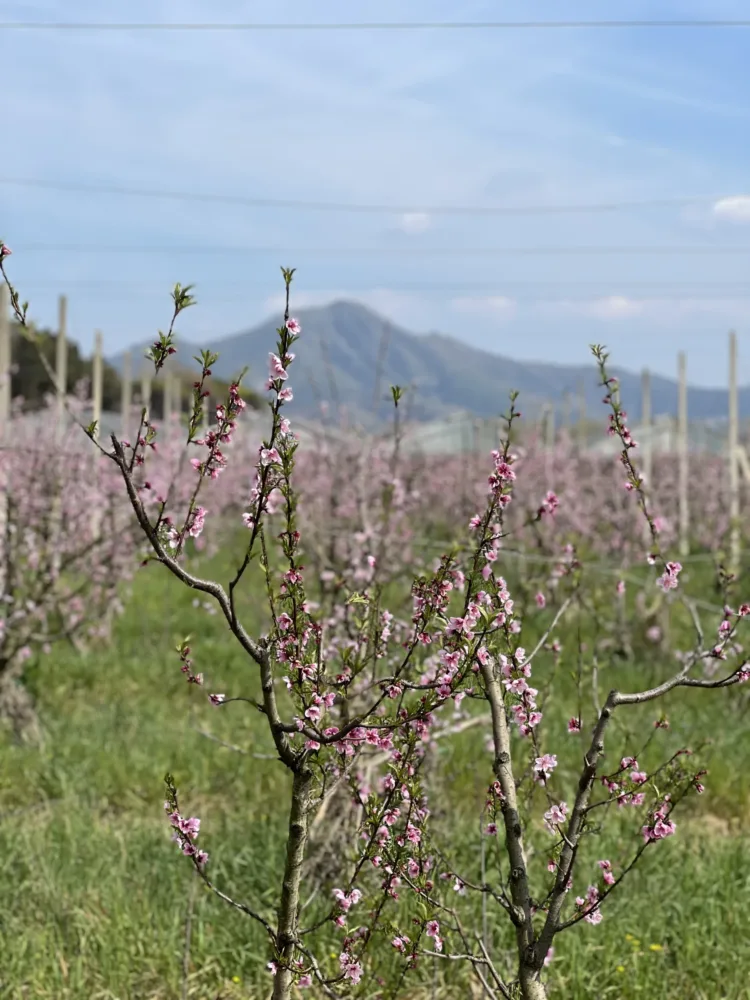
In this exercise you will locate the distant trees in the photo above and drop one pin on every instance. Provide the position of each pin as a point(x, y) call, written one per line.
point(30, 380)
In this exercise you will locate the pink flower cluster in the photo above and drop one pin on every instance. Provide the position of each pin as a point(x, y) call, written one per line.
point(68, 541)
point(515, 672)
point(625, 787)
point(185, 834)
point(668, 580)
point(659, 825)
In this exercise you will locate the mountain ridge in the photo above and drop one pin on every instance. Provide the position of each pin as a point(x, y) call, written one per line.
point(349, 355)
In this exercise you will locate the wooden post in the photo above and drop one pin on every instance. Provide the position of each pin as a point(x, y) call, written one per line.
point(567, 411)
point(682, 450)
point(97, 387)
point(583, 436)
point(177, 398)
point(5, 360)
point(61, 418)
point(647, 440)
point(549, 428)
point(647, 443)
point(146, 390)
point(61, 363)
point(97, 380)
point(167, 398)
point(5, 406)
point(206, 414)
point(732, 449)
point(126, 393)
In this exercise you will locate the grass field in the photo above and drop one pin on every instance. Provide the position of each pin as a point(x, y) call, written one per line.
point(96, 901)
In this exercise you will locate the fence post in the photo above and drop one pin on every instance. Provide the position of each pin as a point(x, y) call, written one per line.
point(732, 449)
point(166, 404)
point(475, 436)
point(583, 435)
point(61, 392)
point(178, 398)
point(126, 393)
point(647, 443)
point(206, 410)
point(146, 390)
point(5, 359)
point(97, 387)
point(5, 406)
point(682, 452)
point(565, 423)
point(97, 380)
point(551, 428)
point(61, 362)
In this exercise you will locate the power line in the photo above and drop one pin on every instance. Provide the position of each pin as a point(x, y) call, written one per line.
point(240, 290)
point(604, 288)
point(198, 249)
point(367, 25)
point(330, 206)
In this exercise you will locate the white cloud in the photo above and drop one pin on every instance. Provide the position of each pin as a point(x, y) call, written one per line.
point(414, 222)
point(614, 307)
point(611, 307)
point(670, 314)
point(496, 306)
point(735, 208)
point(729, 310)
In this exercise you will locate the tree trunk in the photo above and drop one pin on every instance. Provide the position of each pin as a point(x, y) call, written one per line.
point(286, 933)
point(531, 987)
point(17, 709)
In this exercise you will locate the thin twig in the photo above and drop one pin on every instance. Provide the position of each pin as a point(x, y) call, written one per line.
point(231, 746)
point(188, 935)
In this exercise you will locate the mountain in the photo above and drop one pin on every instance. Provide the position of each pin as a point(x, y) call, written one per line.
point(348, 356)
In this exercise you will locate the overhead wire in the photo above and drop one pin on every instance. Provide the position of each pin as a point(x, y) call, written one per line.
point(412, 208)
point(603, 287)
point(216, 26)
point(199, 249)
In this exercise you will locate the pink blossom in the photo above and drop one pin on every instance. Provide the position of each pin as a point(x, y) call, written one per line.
point(277, 369)
point(544, 766)
point(555, 816)
point(550, 504)
point(350, 967)
point(432, 930)
point(668, 579)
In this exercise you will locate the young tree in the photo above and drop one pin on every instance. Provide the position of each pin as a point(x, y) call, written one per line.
point(336, 708)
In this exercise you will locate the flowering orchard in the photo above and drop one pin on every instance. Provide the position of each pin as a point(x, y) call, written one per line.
point(357, 689)
point(68, 539)
point(66, 546)
point(589, 488)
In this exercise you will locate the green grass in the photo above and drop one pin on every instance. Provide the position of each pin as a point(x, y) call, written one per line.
point(95, 896)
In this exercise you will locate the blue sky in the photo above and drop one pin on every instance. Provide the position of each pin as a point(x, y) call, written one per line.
point(410, 120)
